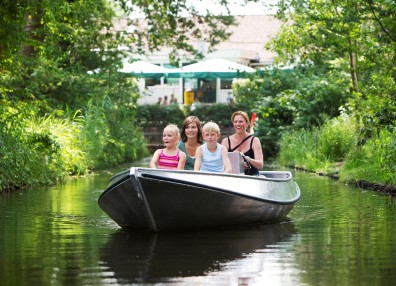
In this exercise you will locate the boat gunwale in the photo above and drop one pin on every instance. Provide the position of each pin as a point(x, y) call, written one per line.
point(260, 177)
point(188, 183)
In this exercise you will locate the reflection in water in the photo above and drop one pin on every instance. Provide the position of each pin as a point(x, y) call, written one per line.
point(154, 257)
point(339, 235)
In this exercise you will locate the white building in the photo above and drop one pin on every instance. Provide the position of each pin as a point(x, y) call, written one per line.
point(245, 46)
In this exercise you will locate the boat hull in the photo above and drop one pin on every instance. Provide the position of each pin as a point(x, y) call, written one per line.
point(156, 199)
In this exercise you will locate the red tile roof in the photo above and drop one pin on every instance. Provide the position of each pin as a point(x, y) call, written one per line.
point(251, 35)
point(248, 38)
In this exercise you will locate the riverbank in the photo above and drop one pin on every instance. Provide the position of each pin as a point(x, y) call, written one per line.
point(336, 149)
point(361, 184)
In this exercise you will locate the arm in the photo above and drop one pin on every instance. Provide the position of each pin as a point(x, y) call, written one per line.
point(224, 142)
point(154, 161)
point(258, 161)
point(198, 159)
point(182, 160)
point(226, 160)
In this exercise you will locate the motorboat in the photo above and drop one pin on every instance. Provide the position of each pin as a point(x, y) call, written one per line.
point(158, 199)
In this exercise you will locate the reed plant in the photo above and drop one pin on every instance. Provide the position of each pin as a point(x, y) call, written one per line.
point(112, 134)
point(299, 149)
point(42, 150)
point(374, 161)
point(63, 133)
point(335, 149)
point(321, 149)
point(30, 154)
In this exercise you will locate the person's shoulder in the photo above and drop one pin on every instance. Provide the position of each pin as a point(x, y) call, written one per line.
point(199, 149)
point(223, 148)
point(256, 139)
point(225, 139)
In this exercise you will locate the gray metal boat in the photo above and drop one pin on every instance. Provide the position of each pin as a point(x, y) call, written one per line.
point(155, 199)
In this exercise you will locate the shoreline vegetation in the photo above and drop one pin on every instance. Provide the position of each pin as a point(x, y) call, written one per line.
point(45, 151)
point(336, 151)
point(361, 184)
point(327, 103)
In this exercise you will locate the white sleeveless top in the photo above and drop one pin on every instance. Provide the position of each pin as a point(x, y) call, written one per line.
point(212, 162)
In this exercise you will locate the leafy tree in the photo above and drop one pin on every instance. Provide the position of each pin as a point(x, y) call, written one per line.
point(345, 36)
point(61, 58)
point(178, 24)
point(359, 37)
point(292, 99)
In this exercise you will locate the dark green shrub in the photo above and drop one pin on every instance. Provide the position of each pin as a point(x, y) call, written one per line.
point(292, 99)
point(218, 112)
point(155, 115)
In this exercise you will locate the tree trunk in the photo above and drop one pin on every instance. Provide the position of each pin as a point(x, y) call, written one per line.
point(353, 66)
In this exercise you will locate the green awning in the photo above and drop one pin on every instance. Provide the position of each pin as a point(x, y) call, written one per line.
point(212, 68)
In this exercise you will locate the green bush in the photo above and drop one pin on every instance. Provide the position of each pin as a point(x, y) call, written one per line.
point(337, 138)
point(319, 148)
point(156, 115)
point(29, 156)
point(375, 161)
point(217, 112)
point(291, 99)
point(112, 134)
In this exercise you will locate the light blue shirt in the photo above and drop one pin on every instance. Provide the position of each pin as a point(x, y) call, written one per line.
point(212, 162)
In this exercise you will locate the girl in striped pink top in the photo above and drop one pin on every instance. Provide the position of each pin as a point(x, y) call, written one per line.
point(169, 157)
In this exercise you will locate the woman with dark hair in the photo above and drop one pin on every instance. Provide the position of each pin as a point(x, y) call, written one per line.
point(245, 143)
point(191, 138)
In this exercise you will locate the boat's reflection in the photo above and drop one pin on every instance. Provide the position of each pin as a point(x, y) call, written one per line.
point(136, 257)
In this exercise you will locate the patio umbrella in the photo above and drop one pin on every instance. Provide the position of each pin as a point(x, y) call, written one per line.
point(212, 68)
point(143, 69)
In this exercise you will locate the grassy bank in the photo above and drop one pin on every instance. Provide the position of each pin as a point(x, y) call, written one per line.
point(337, 150)
point(43, 150)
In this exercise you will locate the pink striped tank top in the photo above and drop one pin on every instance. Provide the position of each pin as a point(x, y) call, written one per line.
point(168, 162)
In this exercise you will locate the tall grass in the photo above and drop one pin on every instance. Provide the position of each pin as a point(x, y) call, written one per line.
point(30, 154)
point(65, 153)
point(113, 134)
point(375, 161)
point(334, 148)
point(319, 149)
point(299, 149)
point(44, 150)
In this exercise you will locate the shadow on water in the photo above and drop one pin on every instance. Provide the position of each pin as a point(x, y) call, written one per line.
point(153, 257)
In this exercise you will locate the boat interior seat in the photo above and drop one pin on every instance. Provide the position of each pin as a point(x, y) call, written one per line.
point(236, 162)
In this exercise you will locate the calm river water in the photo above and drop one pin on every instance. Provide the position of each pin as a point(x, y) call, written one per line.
point(336, 235)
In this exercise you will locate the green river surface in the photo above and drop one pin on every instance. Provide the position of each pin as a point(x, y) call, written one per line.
point(335, 235)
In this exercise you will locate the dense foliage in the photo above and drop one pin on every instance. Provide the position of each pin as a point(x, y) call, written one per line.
point(330, 105)
point(64, 107)
point(156, 115)
point(291, 99)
